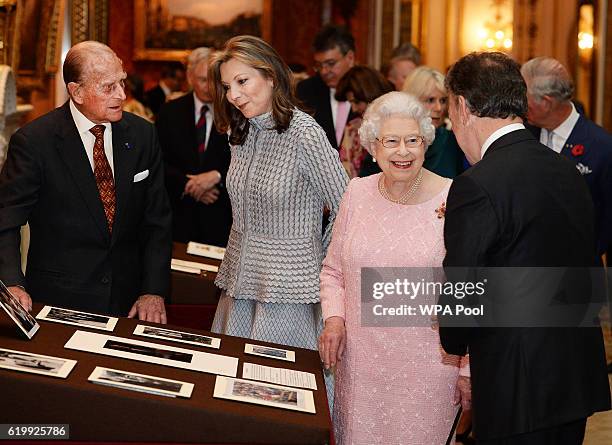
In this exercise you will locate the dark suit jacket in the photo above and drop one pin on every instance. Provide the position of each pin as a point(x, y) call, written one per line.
point(155, 98)
point(314, 94)
point(524, 206)
point(596, 168)
point(73, 261)
point(193, 221)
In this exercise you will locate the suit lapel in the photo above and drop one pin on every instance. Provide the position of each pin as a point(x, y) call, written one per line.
point(125, 156)
point(188, 120)
point(578, 135)
point(71, 150)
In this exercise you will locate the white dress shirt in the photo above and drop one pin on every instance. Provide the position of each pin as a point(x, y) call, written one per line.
point(83, 126)
point(497, 134)
point(561, 133)
point(334, 107)
point(209, 116)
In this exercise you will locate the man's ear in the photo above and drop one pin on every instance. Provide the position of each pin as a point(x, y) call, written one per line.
point(548, 102)
point(350, 55)
point(464, 110)
point(76, 92)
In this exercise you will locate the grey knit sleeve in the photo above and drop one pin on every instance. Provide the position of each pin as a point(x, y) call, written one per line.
point(321, 165)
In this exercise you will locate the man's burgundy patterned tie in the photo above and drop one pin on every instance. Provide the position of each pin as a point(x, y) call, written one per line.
point(104, 176)
point(201, 130)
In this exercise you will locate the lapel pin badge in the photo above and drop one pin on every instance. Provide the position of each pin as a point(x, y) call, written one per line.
point(127, 145)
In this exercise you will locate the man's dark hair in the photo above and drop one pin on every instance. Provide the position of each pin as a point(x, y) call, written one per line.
point(364, 82)
point(491, 84)
point(331, 36)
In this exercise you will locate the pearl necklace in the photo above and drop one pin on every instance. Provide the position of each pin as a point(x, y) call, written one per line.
point(406, 196)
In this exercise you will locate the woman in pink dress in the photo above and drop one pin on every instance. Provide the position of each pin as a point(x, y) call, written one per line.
point(394, 385)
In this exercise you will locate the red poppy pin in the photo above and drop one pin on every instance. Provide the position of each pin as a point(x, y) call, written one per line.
point(577, 150)
point(441, 211)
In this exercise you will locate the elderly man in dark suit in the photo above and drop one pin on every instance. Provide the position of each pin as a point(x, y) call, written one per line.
point(530, 385)
point(334, 55)
point(196, 159)
point(88, 179)
point(560, 127)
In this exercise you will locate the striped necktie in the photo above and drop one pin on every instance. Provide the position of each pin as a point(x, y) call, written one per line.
point(201, 130)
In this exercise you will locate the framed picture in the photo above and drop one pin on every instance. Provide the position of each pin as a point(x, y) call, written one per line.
point(38, 53)
point(77, 318)
point(35, 363)
point(167, 31)
point(267, 394)
point(17, 312)
point(179, 336)
point(141, 382)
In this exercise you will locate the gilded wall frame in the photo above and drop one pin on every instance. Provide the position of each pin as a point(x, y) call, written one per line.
point(144, 9)
point(39, 52)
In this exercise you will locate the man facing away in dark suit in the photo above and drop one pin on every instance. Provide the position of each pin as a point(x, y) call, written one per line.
point(88, 179)
point(171, 81)
point(196, 159)
point(531, 383)
point(562, 129)
point(334, 55)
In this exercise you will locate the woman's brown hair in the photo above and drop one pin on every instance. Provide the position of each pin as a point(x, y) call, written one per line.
point(364, 82)
point(257, 54)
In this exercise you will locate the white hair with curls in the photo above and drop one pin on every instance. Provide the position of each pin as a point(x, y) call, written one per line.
point(394, 104)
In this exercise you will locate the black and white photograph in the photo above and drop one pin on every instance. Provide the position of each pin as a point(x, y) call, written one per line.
point(17, 312)
point(267, 351)
point(179, 336)
point(264, 394)
point(77, 318)
point(150, 352)
point(35, 363)
point(206, 250)
point(141, 382)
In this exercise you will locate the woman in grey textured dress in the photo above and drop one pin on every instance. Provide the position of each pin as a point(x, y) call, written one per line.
point(282, 175)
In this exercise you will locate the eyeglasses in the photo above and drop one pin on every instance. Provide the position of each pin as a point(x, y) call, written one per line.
point(412, 141)
point(107, 89)
point(326, 64)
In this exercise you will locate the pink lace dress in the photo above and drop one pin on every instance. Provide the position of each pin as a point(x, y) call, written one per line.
point(393, 385)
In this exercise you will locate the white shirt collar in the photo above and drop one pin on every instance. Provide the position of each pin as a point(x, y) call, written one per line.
point(565, 129)
point(498, 134)
point(82, 123)
point(198, 106)
point(562, 133)
point(165, 88)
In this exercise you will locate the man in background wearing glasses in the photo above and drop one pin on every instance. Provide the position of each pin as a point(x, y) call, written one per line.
point(334, 55)
point(88, 179)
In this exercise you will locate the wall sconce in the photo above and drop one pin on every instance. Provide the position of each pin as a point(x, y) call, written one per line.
point(496, 35)
point(585, 28)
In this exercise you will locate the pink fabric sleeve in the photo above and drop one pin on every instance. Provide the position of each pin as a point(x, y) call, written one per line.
point(332, 276)
point(464, 366)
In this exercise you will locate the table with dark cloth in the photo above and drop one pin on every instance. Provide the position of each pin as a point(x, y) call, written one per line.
point(100, 413)
point(193, 298)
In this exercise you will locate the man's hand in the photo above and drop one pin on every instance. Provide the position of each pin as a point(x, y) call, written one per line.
point(201, 183)
point(209, 196)
point(22, 296)
point(149, 307)
point(332, 341)
point(463, 393)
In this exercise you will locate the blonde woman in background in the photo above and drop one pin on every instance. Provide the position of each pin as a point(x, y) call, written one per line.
point(443, 156)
